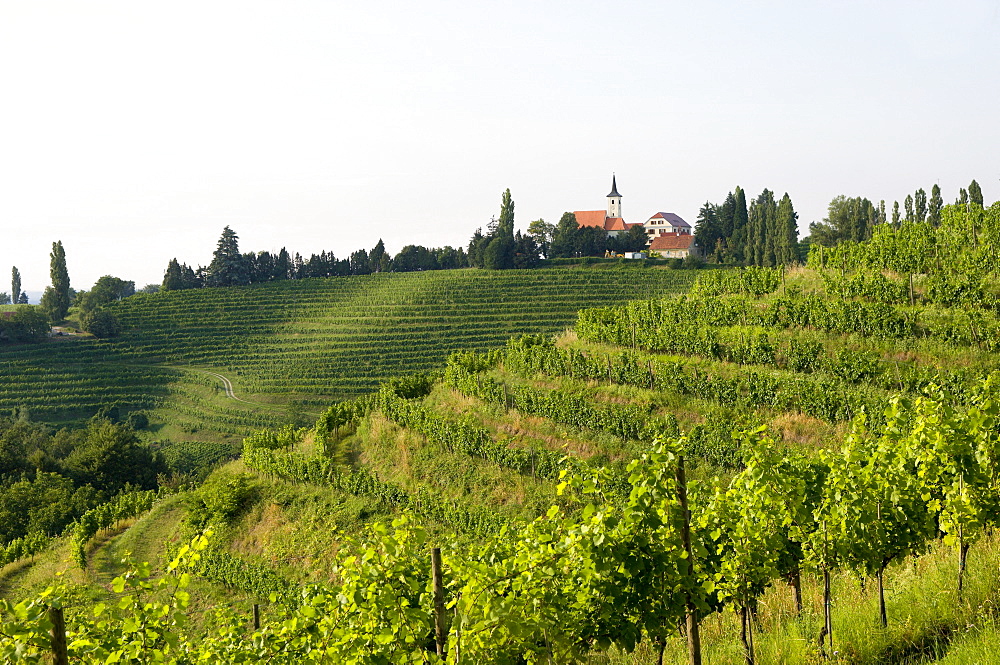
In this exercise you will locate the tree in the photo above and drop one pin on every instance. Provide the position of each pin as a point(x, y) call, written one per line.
point(908, 205)
point(106, 290)
point(525, 251)
point(895, 214)
point(180, 276)
point(107, 455)
point(499, 252)
point(283, 265)
point(57, 303)
point(228, 267)
point(564, 236)
point(787, 241)
point(15, 285)
point(707, 230)
point(101, 323)
point(360, 263)
point(633, 240)
point(541, 232)
point(4, 298)
point(934, 209)
point(23, 300)
point(976, 194)
point(378, 257)
point(920, 205)
point(28, 324)
point(412, 258)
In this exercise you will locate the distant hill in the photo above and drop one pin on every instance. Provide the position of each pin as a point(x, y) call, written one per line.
point(301, 343)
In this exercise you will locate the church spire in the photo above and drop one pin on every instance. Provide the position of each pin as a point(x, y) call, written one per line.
point(614, 187)
point(614, 200)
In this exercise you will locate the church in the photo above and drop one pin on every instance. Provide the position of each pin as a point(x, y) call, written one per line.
point(666, 232)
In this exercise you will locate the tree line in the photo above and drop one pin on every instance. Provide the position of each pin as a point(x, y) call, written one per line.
point(231, 267)
point(856, 219)
point(761, 233)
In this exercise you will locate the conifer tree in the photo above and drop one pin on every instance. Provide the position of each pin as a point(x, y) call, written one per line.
point(975, 193)
point(788, 227)
point(228, 267)
point(740, 222)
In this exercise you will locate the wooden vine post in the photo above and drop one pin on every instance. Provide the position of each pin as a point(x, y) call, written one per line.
point(256, 617)
point(440, 635)
point(59, 654)
point(691, 614)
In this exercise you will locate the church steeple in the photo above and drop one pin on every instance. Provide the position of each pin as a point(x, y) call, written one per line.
point(614, 200)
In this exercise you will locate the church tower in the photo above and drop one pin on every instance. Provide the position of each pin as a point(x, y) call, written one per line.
point(614, 200)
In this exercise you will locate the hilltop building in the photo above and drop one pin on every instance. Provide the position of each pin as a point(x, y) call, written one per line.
point(610, 220)
point(667, 232)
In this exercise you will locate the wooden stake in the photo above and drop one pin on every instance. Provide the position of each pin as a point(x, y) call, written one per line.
point(256, 617)
point(691, 616)
point(59, 654)
point(440, 635)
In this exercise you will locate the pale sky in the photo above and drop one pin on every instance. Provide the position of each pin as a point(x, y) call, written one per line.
point(135, 131)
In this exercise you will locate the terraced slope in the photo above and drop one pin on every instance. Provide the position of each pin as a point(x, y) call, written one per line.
point(308, 341)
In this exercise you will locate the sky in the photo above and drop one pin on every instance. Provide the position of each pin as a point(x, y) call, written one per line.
point(135, 131)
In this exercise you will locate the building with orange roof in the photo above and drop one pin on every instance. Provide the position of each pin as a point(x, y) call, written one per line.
point(674, 245)
point(610, 220)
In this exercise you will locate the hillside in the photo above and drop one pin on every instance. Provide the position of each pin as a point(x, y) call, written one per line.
point(465, 454)
point(297, 345)
point(827, 437)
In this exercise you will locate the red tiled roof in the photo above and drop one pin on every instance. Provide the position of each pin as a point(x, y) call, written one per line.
point(672, 241)
point(591, 217)
point(600, 219)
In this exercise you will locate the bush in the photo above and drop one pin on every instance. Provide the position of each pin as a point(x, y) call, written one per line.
point(101, 324)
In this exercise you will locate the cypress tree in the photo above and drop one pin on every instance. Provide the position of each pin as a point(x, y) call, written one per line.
point(740, 222)
point(975, 193)
point(788, 226)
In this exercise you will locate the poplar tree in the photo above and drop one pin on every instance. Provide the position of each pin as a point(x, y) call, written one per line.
point(15, 285)
point(920, 205)
point(55, 300)
point(908, 204)
point(934, 208)
point(895, 214)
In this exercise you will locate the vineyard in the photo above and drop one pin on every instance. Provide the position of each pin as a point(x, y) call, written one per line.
point(297, 344)
point(776, 466)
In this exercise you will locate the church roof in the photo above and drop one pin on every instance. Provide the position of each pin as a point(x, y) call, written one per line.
point(614, 188)
point(600, 219)
point(591, 217)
